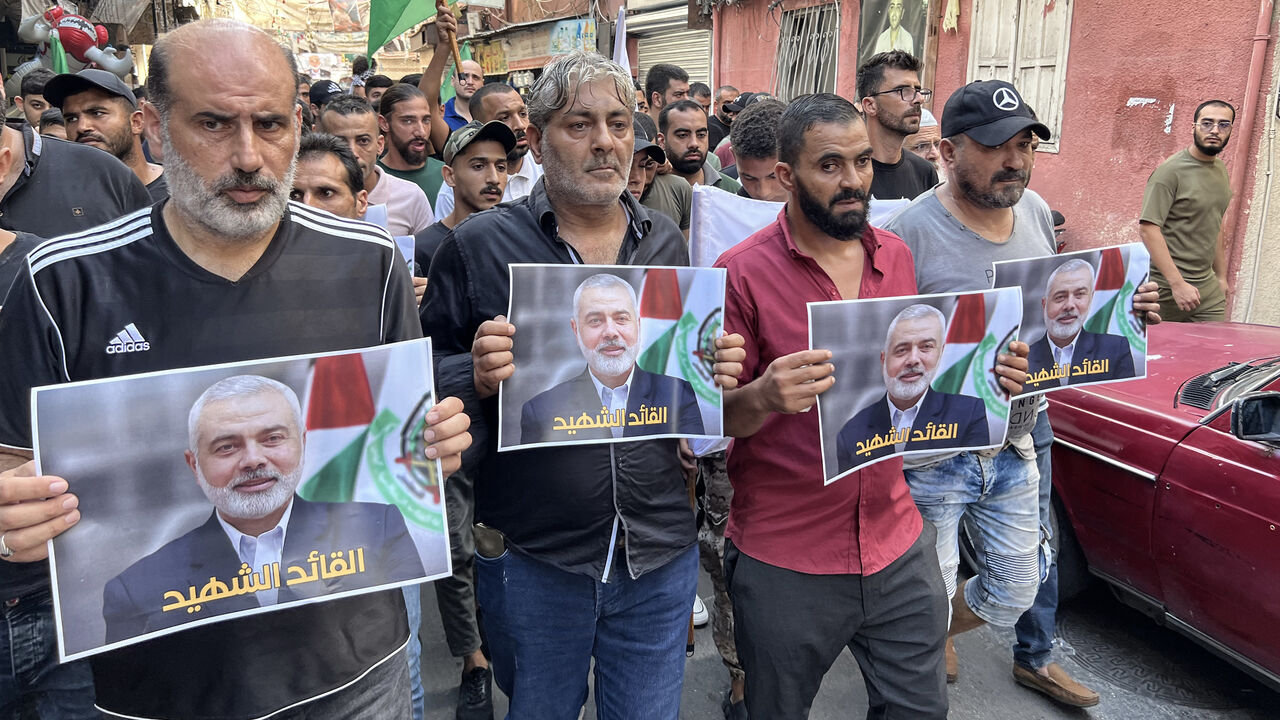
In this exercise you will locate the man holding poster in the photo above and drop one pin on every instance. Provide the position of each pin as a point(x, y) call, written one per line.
point(815, 568)
point(584, 551)
point(226, 270)
point(912, 349)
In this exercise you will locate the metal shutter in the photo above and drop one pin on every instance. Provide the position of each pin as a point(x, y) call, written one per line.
point(662, 36)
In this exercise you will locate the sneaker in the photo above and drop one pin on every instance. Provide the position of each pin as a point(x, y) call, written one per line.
point(1058, 685)
point(700, 615)
point(733, 710)
point(475, 695)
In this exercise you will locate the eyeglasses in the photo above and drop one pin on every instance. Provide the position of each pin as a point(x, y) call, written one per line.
point(907, 93)
point(1209, 125)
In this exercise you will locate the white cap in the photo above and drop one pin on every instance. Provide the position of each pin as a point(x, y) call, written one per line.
point(927, 119)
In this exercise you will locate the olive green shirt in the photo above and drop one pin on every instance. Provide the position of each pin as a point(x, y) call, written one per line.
point(672, 196)
point(1186, 199)
point(427, 177)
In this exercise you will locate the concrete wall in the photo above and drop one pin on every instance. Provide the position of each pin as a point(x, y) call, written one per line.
point(1257, 296)
point(1175, 53)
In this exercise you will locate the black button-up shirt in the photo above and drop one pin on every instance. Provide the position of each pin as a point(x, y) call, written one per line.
point(556, 504)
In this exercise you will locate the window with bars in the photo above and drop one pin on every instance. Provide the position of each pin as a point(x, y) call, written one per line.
point(1025, 42)
point(808, 46)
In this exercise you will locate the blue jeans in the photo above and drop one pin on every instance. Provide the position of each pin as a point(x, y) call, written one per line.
point(544, 626)
point(29, 669)
point(1036, 626)
point(413, 606)
point(997, 499)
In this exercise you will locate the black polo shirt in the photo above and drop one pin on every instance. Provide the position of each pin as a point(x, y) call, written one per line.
point(556, 504)
point(13, 257)
point(65, 187)
point(323, 284)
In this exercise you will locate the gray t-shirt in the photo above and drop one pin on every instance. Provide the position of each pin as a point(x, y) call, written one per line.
point(950, 257)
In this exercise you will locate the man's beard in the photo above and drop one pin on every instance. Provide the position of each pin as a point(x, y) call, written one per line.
point(1210, 150)
point(251, 506)
point(119, 145)
point(518, 152)
point(1058, 331)
point(688, 166)
point(562, 180)
point(603, 365)
point(409, 155)
point(901, 123)
point(991, 198)
point(903, 390)
point(842, 226)
point(205, 202)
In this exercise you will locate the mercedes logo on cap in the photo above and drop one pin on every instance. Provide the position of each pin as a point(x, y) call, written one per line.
point(1006, 99)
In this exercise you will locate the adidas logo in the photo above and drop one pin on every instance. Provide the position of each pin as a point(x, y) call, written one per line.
point(128, 340)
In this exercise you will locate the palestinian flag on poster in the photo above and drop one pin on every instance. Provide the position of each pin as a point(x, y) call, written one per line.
point(678, 328)
point(371, 452)
point(1117, 280)
point(339, 410)
point(972, 347)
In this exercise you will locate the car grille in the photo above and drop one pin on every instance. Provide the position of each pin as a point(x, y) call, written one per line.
point(1199, 391)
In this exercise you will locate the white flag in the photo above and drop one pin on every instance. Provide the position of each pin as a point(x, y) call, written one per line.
point(720, 220)
point(620, 40)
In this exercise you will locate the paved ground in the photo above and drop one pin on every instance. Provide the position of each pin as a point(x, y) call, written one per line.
point(1141, 671)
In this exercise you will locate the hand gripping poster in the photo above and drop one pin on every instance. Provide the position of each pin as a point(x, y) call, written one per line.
point(609, 354)
point(913, 375)
point(224, 491)
point(1078, 316)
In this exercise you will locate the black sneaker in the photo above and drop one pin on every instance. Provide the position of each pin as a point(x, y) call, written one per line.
point(475, 695)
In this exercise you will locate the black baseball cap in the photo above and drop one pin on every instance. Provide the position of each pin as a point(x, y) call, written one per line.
point(475, 130)
point(744, 100)
point(61, 87)
point(323, 91)
point(990, 112)
point(642, 145)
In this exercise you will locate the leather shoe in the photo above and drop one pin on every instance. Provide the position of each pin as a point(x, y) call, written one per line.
point(953, 662)
point(1058, 685)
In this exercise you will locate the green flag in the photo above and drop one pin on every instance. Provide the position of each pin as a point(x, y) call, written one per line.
point(389, 18)
point(57, 55)
point(446, 88)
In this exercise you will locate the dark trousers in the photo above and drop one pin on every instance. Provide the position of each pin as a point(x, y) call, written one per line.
point(791, 627)
point(456, 594)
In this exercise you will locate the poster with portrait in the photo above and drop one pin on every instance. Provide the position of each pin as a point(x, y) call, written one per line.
point(913, 375)
point(892, 25)
point(611, 353)
point(1078, 316)
point(223, 491)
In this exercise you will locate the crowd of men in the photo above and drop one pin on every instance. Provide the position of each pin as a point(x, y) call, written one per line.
point(244, 205)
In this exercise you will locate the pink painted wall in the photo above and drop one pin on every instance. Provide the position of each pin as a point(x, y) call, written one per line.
point(1178, 52)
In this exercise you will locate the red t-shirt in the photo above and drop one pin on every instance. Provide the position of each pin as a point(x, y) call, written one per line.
point(782, 514)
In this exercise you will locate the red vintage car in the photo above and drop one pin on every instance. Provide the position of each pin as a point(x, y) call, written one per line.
point(1171, 486)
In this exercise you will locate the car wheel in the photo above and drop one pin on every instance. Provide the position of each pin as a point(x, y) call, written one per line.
point(1073, 571)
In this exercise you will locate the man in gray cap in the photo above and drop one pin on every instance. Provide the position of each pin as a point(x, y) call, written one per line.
point(981, 214)
point(100, 110)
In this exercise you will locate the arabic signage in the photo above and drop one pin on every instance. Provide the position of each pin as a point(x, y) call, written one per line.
point(913, 375)
point(1078, 316)
point(491, 56)
point(232, 490)
point(609, 354)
